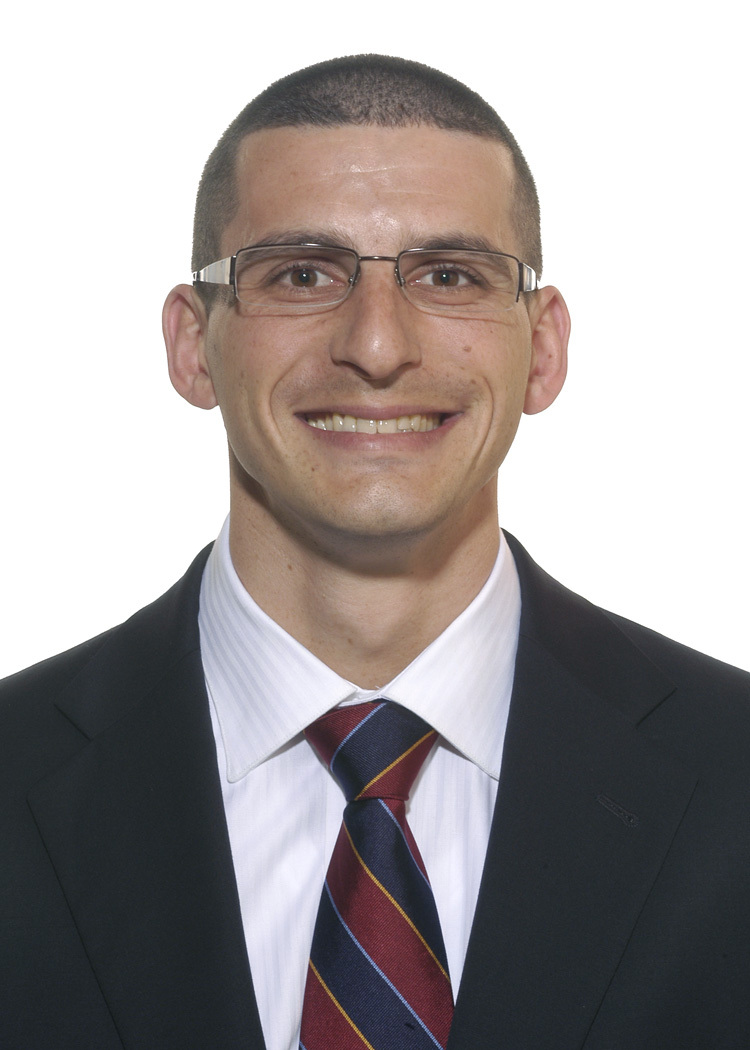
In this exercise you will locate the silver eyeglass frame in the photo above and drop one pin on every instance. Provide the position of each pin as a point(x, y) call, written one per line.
point(222, 271)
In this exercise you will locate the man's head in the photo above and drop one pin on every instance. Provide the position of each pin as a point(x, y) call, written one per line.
point(303, 392)
point(359, 90)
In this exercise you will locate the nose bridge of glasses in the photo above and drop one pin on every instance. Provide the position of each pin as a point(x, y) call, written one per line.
point(379, 258)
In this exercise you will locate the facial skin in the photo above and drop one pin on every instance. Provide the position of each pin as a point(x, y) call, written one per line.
point(383, 504)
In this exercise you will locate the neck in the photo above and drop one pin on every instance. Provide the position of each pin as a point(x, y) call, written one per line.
point(365, 608)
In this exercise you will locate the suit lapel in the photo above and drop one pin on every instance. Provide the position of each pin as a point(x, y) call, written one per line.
point(135, 829)
point(586, 810)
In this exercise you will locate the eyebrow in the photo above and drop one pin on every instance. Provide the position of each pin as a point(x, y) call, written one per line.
point(336, 238)
point(326, 238)
point(459, 240)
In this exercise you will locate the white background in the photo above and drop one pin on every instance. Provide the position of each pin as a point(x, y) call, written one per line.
point(631, 489)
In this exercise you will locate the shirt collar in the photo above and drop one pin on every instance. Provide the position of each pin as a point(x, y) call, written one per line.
point(266, 687)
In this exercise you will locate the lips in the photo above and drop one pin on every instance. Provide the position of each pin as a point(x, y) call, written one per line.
point(416, 423)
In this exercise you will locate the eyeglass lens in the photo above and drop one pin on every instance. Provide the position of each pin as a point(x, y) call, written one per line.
point(441, 281)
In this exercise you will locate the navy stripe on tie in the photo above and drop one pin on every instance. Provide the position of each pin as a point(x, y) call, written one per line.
point(377, 741)
point(363, 991)
point(370, 825)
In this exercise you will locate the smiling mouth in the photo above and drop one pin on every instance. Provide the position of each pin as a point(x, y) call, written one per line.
point(419, 423)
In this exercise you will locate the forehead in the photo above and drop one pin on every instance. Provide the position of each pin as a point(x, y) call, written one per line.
point(379, 189)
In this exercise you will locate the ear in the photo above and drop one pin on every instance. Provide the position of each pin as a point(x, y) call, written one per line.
point(184, 326)
point(550, 330)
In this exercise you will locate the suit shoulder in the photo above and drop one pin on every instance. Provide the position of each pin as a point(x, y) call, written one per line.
point(27, 696)
point(31, 728)
point(176, 608)
point(690, 703)
point(585, 635)
point(48, 708)
point(683, 664)
point(51, 674)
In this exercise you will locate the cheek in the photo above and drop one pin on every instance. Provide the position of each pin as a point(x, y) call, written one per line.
point(499, 364)
point(241, 369)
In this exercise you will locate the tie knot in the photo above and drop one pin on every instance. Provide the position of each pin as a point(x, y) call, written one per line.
point(374, 750)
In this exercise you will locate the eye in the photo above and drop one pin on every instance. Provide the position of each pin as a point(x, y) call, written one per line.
point(441, 276)
point(444, 277)
point(445, 270)
point(304, 276)
point(289, 275)
point(312, 275)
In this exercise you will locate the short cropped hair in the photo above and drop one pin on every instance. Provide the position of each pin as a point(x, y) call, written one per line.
point(358, 90)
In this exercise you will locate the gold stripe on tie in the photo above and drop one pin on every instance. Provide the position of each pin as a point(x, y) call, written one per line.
point(338, 1006)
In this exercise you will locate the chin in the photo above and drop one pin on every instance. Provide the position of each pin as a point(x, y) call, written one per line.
point(378, 526)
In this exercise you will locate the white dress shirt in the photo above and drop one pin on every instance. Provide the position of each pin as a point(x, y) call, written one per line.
point(284, 809)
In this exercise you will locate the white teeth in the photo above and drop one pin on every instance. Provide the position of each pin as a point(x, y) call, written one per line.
point(418, 423)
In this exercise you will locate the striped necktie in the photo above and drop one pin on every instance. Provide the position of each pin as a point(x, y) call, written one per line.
point(378, 974)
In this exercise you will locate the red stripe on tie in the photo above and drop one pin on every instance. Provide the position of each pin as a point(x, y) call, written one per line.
point(346, 719)
point(389, 939)
point(324, 1023)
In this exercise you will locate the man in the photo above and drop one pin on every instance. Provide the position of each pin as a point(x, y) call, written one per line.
point(365, 312)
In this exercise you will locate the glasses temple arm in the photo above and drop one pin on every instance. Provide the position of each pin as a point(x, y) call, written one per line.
point(529, 279)
point(216, 272)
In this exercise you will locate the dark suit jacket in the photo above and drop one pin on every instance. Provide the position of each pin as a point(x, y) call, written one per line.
point(614, 912)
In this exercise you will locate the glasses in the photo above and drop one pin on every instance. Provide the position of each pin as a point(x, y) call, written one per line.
point(312, 278)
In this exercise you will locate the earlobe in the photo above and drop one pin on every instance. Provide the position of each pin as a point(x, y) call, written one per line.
point(550, 330)
point(184, 327)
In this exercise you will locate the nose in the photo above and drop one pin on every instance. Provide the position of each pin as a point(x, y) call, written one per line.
point(375, 332)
